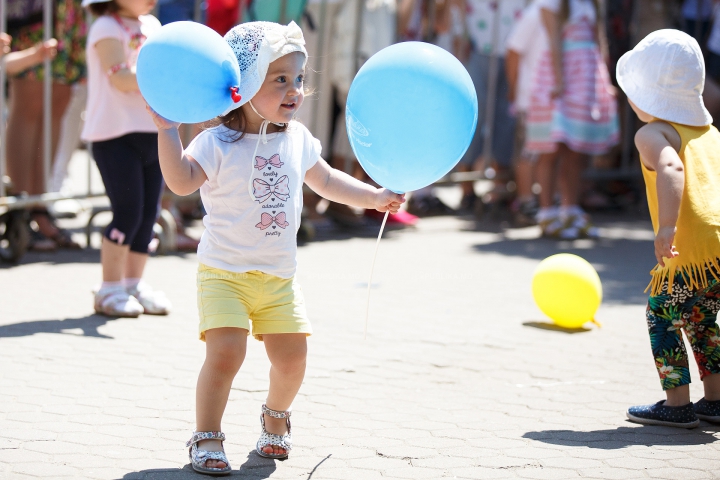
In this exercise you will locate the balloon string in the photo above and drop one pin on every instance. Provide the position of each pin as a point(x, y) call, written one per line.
point(372, 268)
point(599, 325)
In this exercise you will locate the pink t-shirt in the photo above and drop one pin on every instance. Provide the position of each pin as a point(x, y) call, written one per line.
point(111, 113)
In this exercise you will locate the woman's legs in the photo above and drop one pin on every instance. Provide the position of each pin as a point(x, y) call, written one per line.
point(25, 132)
point(288, 354)
point(224, 354)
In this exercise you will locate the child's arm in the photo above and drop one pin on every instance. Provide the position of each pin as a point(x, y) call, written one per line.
point(340, 187)
point(551, 21)
point(658, 144)
point(16, 62)
point(113, 61)
point(183, 175)
point(512, 69)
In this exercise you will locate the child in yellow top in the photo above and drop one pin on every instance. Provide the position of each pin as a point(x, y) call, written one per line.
point(663, 77)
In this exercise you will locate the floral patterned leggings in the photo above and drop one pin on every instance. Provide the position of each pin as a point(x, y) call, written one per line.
point(695, 312)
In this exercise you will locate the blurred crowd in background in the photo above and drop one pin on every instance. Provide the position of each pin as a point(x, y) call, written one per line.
point(504, 44)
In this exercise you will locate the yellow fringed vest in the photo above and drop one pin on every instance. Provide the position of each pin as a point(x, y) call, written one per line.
point(698, 227)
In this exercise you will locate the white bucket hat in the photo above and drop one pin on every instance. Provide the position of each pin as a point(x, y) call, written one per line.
point(85, 3)
point(256, 45)
point(664, 75)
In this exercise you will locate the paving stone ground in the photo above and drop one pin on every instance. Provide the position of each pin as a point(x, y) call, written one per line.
point(460, 376)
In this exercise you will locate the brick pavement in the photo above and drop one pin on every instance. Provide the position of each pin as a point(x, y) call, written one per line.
point(460, 377)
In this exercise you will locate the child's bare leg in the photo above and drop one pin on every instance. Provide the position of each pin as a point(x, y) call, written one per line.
point(113, 258)
point(224, 354)
point(678, 396)
point(711, 384)
point(135, 264)
point(545, 172)
point(572, 165)
point(288, 354)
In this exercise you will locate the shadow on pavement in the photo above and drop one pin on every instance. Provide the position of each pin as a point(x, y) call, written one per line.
point(254, 468)
point(622, 437)
point(556, 328)
point(88, 324)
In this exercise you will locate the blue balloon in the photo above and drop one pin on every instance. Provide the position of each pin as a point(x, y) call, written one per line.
point(186, 71)
point(411, 114)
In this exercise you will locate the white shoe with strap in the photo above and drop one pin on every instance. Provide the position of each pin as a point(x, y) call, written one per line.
point(117, 302)
point(153, 302)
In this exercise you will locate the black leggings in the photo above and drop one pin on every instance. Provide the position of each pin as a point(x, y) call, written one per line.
point(130, 170)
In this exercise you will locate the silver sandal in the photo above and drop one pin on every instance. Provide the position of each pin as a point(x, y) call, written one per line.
point(198, 457)
point(267, 438)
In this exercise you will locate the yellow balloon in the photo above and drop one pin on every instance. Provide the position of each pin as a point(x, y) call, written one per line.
point(567, 289)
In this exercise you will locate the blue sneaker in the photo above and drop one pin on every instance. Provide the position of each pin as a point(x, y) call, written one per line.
point(707, 410)
point(660, 414)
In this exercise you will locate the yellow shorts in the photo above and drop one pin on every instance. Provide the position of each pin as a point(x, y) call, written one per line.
point(229, 299)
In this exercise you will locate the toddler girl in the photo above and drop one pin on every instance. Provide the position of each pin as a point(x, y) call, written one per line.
point(663, 77)
point(572, 113)
point(250, 170)
point(124, 145)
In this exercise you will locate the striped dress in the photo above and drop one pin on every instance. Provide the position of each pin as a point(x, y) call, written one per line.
point(585, 116)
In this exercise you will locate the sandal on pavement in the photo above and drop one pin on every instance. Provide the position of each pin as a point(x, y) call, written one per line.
point(47, 226)
point(551, 225)
point(267, 438)
point(198, 458)
point(116, 302)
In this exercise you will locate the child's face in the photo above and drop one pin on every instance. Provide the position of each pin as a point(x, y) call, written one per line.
point(644, 117)
point(281, 94)
point(135, 8)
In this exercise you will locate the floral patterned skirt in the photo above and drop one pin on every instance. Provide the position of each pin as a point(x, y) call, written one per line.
point(70, 30)
point(693, 311)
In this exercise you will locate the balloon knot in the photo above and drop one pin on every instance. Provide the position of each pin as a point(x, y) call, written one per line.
point(234, 94)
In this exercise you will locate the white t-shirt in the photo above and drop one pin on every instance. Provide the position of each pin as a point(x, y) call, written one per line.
point(111, 113)
point(529, 39)
point(579, 9)
point(244, 233)
point(481, 19)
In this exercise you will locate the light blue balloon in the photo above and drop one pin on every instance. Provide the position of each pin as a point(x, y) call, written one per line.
point(185, 72)
point(411, 113)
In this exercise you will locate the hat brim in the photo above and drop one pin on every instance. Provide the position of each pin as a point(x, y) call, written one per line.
point(85, 3)
point(663, 105)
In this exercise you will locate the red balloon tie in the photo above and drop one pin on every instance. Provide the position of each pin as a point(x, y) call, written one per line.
point(234, 94)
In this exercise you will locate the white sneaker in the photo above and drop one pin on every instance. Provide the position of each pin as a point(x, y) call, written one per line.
point(153, 302)
point(116, 302)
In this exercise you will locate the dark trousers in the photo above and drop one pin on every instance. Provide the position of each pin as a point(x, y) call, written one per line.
point(130, 170)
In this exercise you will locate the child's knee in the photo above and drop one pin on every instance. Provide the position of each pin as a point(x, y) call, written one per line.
point(225, 361)
point(225, 354)
point(291, 362)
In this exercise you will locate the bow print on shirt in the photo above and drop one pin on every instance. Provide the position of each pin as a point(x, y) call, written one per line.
point(263, 190)
point(273, 161)
point(267, 220)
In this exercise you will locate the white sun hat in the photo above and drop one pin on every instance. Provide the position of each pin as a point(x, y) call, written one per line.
point(664, 75)
point(256, 45)
point(85, 3)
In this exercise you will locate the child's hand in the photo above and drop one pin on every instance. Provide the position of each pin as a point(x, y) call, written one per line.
point(160, 122)
point(388, 200)
point(5, 40)
point(664, 244)
point(45, 50)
